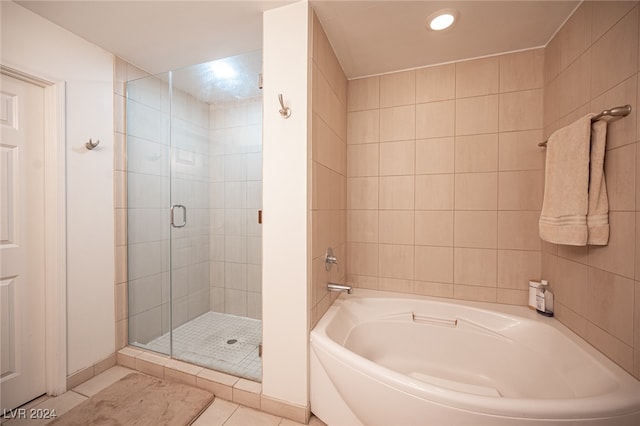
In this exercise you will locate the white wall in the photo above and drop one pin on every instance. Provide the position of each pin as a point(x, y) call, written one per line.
point(38, 47)
point(286, 158)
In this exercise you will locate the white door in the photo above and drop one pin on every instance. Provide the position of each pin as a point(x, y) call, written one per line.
point(22, 359)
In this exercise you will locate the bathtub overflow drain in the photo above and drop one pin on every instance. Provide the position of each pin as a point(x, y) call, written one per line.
point(231, 341)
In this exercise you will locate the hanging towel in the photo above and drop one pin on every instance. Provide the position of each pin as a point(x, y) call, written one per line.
point(563, 219)
point(598, 213)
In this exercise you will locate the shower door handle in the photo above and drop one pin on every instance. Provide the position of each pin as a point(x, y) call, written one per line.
point(184, 215)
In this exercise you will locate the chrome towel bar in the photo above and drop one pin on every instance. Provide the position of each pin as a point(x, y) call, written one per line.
point(619, 111)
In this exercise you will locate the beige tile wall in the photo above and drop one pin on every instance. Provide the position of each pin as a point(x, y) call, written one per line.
point(592, 64)
point(445, 179)
point(328, 173)
point(123, 71)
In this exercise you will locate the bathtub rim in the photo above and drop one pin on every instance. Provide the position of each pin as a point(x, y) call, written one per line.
point(619, 402)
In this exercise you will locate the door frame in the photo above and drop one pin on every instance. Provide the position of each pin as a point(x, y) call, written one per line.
point(54, 229)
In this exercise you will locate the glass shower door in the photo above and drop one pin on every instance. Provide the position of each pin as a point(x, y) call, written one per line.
point(216, 192)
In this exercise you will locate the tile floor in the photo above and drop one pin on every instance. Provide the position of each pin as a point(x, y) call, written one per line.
point(205, 341)
point(219, 413)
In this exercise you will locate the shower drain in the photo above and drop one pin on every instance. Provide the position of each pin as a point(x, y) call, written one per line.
point(232, 341)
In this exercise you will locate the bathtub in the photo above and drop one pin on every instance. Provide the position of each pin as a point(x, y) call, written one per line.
point(379, 358)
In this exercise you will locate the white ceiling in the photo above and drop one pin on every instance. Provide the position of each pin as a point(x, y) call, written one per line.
point(369, 36)
point(159, 35)
point(373, 37)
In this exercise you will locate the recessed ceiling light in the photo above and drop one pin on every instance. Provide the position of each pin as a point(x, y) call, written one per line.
point(442, 19)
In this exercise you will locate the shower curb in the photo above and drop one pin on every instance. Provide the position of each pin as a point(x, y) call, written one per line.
point(225, 386)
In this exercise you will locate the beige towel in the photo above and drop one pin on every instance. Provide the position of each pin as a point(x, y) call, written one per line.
point(598, 213)
point(563, 219)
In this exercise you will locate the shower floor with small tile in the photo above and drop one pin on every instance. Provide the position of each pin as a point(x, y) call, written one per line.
point(222, 342)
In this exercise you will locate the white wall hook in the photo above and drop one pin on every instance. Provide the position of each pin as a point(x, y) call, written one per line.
point(91, 144)
point(285, 111)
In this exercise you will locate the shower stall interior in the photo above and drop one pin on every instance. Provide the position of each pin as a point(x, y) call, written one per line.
point(194, 189)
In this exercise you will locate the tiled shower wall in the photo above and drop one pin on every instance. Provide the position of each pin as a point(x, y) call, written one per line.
point(123, 72)
point(235, 198)
point(445, 179)
point(328, 173)
point(590, 65)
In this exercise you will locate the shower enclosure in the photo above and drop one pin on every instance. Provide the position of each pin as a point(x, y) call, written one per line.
point(194, 189)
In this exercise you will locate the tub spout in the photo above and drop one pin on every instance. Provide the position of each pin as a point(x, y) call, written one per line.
point(339, 287)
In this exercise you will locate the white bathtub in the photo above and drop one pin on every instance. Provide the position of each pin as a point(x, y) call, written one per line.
point(379, 358)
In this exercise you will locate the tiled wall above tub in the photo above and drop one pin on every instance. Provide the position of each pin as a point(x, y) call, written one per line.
point(593, 64)
point(445, 179)
point(328, 173)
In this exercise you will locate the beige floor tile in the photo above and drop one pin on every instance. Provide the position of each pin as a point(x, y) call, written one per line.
point(64, 402)
point(313, 421)
point(217, 413)
point(101, 381)
point(287, 422)
point(244, 416)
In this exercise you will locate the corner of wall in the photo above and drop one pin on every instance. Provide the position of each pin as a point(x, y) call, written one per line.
point(598, 287)
point(328, 164)
point(285, 198)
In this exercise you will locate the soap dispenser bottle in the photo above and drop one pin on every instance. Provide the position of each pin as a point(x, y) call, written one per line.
point(544, 299)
